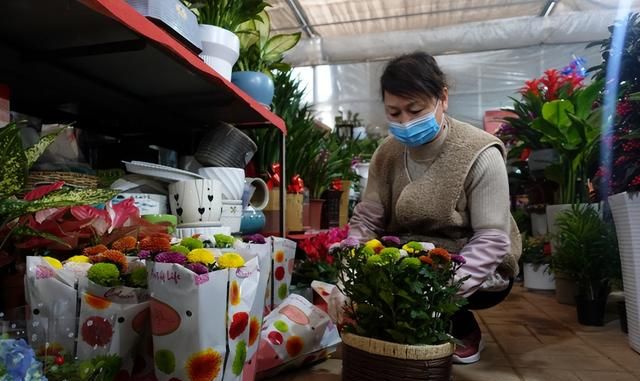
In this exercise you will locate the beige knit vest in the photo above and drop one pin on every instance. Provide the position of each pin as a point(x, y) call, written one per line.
point(433, 208)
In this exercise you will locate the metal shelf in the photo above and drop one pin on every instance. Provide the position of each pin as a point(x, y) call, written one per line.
point(101, 61)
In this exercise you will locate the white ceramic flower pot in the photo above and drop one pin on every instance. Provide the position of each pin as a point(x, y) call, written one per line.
point(232, 180)
point(539, 278)
point(539, 224)
point(625, 208)
point(196, 201)
point(220, 49)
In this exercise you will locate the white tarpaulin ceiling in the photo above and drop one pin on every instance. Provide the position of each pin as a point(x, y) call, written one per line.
point(361, 30)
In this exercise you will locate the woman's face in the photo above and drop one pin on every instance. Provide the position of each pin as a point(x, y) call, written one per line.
point(403, 110)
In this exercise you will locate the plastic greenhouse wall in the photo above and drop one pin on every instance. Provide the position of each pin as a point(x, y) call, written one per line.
point(478, 82)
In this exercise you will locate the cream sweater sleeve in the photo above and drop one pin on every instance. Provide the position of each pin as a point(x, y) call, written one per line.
point(487, 190)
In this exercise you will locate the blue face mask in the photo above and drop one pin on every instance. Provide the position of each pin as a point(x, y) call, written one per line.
point(418, 131)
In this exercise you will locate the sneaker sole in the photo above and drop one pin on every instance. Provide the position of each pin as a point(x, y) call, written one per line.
point(470, 359)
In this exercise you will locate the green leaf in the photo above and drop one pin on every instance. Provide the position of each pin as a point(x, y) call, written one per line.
point(11, 208)
point(25, 231)
point(634, 97)
point(13, 161)
point(35, 151)
point(555, 112)
point(263, 26)
point(586, 97)
point(277, 45)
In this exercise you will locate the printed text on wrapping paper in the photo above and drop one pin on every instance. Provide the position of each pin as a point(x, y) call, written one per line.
point(166, 276)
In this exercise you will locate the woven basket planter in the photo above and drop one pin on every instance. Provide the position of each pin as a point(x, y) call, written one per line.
point(366, 359)
point(72, 179)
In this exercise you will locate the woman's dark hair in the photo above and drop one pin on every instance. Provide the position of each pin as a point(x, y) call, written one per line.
point(411, 75)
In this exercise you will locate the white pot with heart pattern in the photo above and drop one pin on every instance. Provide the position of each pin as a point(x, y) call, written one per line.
point(196, 201)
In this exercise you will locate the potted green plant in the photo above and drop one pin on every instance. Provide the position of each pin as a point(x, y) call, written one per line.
point(556, 111)
point(261, 53)
point(398, 309)
point(587, 251)
point(622, 179)
point(218, 20)
point(15, 162)
point(536, 259)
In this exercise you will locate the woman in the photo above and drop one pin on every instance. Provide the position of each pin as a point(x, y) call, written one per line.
point(436, 179)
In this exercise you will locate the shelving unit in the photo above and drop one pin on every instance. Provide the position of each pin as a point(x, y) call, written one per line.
point(105, 66)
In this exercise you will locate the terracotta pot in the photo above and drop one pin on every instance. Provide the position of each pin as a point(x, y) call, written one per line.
point(315, 213)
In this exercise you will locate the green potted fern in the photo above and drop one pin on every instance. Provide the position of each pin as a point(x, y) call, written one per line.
point(587, 251)
point(260, 54)
point(218, 20)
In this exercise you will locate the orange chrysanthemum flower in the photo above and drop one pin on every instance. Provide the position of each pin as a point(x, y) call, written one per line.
point(94, 250)
point(125, 244)
point(116, 257)
point(441, 253)
point(155, 244)
point(204, 365)
point(426, 259)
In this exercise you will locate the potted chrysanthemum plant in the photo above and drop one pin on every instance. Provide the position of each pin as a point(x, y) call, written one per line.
point(399, 303)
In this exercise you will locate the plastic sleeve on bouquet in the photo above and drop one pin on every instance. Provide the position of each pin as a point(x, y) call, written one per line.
point(284, 253)
point(121, 311)
point(295, 333)
point(243, 285)
point(52, 296)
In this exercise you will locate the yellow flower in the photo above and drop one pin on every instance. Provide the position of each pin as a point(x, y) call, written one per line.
point(79, 259)
point(412, 247)
point(203, 256)
point(56, 264)
point(375, 245)
point(233, 260)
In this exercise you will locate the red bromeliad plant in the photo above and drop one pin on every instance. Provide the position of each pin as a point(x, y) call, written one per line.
point(319, 262)
point(517, 131)
point(557, 111)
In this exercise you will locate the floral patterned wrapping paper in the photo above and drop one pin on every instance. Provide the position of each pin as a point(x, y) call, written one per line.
point(194, 318)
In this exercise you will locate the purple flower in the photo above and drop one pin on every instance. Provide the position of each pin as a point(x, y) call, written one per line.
point(255, 238)
point(144, 254)
point(391, 239)
point(170, 257)
point(349, 243)
point(197, 268)
point(459, 259)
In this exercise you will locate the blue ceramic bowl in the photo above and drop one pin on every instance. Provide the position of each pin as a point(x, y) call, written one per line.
point(258, 85)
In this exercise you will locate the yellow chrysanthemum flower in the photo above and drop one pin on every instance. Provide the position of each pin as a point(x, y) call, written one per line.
point(375, 245)
point(203, 256)
point(79, 259)
point(412, 247)
point(230, 260)
point(56, 264)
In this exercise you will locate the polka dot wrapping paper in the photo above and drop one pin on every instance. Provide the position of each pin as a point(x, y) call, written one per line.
point(113, 320)
point(294, 334)
point(195, 318)
point(284, 253)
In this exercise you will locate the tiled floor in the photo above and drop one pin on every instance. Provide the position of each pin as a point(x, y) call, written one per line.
point(531, 337)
